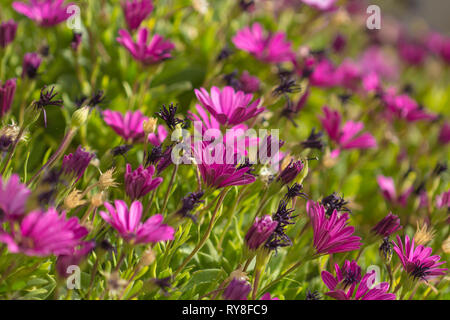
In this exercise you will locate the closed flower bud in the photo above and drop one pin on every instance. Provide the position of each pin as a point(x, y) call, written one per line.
point(387, 226)
point(260, 231)
point(291, 171)
point(149, 125)
point(79, 117)
point(238, 289)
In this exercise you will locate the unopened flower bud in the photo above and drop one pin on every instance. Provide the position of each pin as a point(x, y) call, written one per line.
point(260, 231)
point(238, 289)
point(79, 117)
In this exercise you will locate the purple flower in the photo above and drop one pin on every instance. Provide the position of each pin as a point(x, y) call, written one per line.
point(7, 91)
point(348, 74)
point(140, 182)
point(13, 197)
point(74, 164)
point(131, 229)
point(63, 262)
point(157, 138)
point(129, 127)
point(345, 136)
point(371, 82)
point(374, 60)
point(348, 278)
point(291, 171)
point(404, 107)
point(387, 187)
point(136, 11)
point(272, 48)
point(331, 234)
point(418, 262)
point(339, 43)
point(218, 167)
point(227, 106)
point(238, 289)
point(46, 13)
point(7, 32)
point(248, 83)
point(267, 296)
point(443, 200)
point(444, 134)
point(260, 231)
point(154, 52)
point(76, 40)
point(44, 233)
point(387, 226)
point(31, 63)
point(323, 73)
point(412, 52)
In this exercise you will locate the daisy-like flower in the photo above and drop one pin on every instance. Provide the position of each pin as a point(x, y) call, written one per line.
point(387, 187)
point(331, 234)
point(348, 278)
point(136, 11)
point(13, 197)
point(30, 65)
point(7, 32)
point(387, 226)
point(74, 164)
point(46, 13)
point(260, 231)
point(44, 233)
point(443, 200)
point(228, 106)
point(154, 52)
point(129, 126)
point(7, 91)
point(157, 138)
point(219, 167)
point(272, 48)
point(128, 223)
point(346, 136)
point(418, 261)
point(140, 181)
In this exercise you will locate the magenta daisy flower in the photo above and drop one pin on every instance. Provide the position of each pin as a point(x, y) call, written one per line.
point(238, 289)
point(227, 106)
point(348, 278)
point(129, 126)
point(444, 134)
point(331, 234)
point(128, 223)
point(75, 164)
point(157, 138)
point(13, 197)
point(272, 48)
point(260, 231)
point(46, 13)
point(140, 181)
point(418, 261)
point(387, 187)
point(387, 226)
point(154, 52)
point(7, 32)
point(7, 91)
point(322, 5)
point(347, 136)
point(218, 167)
point(136, 11)
point(44, 233)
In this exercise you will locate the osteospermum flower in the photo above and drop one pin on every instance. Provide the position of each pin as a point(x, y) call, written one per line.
point(46, 13)
point(44, 233)
point(272, 48)
point(346, 136)
point(219, 168)
point(136, 11)
point(418, 261)
point(129, 126)
point(260, 231)
point(443, 200)
point(30, 65)
point(157, 138)
point(154, 52)
point(13, 197)
point(74, 164)
point(228, 106)
point(238, 289)
point(140, 181)
point(7, 32)
point(348, 278)
point(444, 134)
point(331, 234)
point(323, 5)
point(7, 91)
point(128, 223)
point(387, 226)
point(387, 187)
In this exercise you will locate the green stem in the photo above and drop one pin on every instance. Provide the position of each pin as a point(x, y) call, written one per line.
point(169, 188)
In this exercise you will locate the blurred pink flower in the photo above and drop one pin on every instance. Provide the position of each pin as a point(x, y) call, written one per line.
point(128, 223)
point(323, 5)
point(443, 200)
point(157, 138)
point(228, 107)
point(8, 31)
point(154, 52)
point(44, 233)
point(444, 134)
point(136, 11)
point(272, 48)
point(13, 197)
point(387, 187)
point(46, 13)
point(7, 91)
point(346, 136)
point(404, 107)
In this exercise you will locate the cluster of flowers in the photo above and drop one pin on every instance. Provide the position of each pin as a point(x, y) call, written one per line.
point(47, 215)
